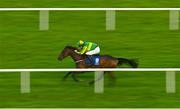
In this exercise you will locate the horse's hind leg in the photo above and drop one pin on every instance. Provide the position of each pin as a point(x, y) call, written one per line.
point(65, 77)
point(112, 77)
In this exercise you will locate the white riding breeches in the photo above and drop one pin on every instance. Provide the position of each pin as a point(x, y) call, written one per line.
point(93, 52)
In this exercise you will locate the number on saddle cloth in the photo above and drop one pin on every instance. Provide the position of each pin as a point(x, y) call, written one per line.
point(95, 58)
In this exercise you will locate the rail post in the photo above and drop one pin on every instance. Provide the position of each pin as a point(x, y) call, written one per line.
point(99, 82)
point(25, 82)
point(170, 81)
point(43, 20)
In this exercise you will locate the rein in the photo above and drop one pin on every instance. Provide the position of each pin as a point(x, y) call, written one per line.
point(79, 61)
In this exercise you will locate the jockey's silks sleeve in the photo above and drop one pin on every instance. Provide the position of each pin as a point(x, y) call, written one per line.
point(89, 46)
point(83, 50)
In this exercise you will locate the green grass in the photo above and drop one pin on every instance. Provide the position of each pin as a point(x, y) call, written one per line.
point(89, 3)
point(139, 34)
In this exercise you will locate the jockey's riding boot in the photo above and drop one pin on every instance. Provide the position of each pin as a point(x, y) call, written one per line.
point(90, 59)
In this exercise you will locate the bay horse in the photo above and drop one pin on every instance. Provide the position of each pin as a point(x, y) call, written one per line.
point(106, 61)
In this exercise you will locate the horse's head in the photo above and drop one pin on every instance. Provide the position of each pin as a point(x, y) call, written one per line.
point(67, 51)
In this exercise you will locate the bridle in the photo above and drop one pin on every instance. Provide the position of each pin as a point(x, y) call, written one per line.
point(80, 60)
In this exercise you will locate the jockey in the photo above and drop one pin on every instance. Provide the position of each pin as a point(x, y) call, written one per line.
point(88, 48)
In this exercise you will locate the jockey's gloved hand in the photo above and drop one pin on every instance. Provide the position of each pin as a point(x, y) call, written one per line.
point(77, 51)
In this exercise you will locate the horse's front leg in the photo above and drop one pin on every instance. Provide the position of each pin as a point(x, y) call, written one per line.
point(65, 77)
point(74, 76)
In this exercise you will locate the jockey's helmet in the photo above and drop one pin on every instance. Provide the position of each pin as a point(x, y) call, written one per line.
point(80, 43)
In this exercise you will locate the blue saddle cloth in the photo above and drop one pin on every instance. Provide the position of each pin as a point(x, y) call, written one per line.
point(95, 58)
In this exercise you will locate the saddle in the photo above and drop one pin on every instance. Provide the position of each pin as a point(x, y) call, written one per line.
point(95, 60)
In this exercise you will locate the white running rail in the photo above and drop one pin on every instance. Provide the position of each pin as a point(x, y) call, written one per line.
point(90, 69)
point(99, 87)
point(89, 9)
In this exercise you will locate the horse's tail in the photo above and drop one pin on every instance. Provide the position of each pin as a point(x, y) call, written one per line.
point(133, 63)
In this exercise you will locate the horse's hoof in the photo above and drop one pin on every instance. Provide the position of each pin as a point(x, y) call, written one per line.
point(81, 80)
point(91, 83)
point(77, 81)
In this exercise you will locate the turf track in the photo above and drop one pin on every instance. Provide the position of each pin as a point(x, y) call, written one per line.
point(139, 34)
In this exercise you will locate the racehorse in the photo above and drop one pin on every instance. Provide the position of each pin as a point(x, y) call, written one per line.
point(106, 61)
